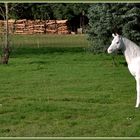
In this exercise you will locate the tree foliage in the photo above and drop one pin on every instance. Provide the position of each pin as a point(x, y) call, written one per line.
point(108, 18)
point(46, 10)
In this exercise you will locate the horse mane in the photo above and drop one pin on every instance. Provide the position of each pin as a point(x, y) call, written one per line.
point(133, 48)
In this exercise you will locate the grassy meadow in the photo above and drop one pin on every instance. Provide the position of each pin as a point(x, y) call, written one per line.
point(53, 86)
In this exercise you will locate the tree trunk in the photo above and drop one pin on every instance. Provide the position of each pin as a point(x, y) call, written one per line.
point(6, 48)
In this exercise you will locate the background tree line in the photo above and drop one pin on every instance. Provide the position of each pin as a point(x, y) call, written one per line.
point(46, 10)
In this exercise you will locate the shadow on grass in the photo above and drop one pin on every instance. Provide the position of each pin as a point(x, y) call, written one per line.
point(24, 51)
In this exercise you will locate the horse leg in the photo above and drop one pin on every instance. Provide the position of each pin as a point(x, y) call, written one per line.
point(138, 91)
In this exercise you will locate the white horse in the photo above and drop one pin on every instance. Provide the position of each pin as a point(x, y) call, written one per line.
point(131, 52)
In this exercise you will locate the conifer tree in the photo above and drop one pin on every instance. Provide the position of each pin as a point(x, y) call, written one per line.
point(107, 18)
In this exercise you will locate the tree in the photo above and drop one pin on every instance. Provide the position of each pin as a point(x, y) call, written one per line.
point(131, 28)
point(106, 18)
point(100, 26)
point(5, 48)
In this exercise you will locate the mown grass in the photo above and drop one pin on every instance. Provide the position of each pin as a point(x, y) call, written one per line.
point(66, 91)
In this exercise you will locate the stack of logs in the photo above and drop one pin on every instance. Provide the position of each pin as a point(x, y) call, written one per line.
point(36, 26)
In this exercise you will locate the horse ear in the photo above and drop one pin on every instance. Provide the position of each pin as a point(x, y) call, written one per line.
point(113, 35)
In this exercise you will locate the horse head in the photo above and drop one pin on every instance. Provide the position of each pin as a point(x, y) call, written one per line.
point(116, 43)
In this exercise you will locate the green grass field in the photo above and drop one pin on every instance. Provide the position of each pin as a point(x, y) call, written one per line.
point(52, 86)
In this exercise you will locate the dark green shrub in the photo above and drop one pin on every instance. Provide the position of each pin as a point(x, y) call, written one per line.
point(108, 18)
